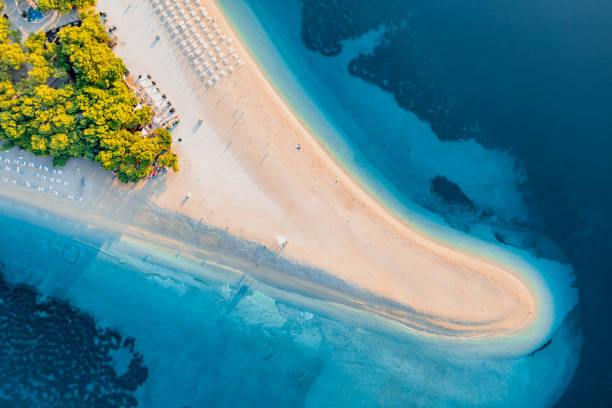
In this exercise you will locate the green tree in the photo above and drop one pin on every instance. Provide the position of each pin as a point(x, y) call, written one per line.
point(64, 5)
point(12, 56)
point(94, 116)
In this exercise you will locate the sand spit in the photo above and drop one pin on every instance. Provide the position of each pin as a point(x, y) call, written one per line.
point(253, 172)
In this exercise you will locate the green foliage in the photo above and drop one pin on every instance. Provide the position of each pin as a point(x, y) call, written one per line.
point(95, 117)
point(15, 35)
point(64, 5)
point(12, 56)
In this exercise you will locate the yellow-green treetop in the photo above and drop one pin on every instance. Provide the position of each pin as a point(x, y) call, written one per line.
point(93, 116)
point(64, 5)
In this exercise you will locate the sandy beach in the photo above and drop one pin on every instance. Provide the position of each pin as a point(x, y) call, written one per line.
point(254, 171)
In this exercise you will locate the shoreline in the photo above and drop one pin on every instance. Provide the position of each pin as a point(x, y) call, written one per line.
point(335, 227)
point(151, 248)
point(432, 228)
point(162, 247)
point(180, 320)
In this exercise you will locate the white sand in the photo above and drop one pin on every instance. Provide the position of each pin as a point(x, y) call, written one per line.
point(244, 175)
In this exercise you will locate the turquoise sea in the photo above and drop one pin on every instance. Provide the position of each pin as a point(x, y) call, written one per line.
point(91, 319)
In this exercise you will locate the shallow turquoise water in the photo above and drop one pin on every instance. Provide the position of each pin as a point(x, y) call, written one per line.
point(221, 342)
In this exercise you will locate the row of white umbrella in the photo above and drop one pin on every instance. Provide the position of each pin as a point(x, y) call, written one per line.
point(209, 66)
